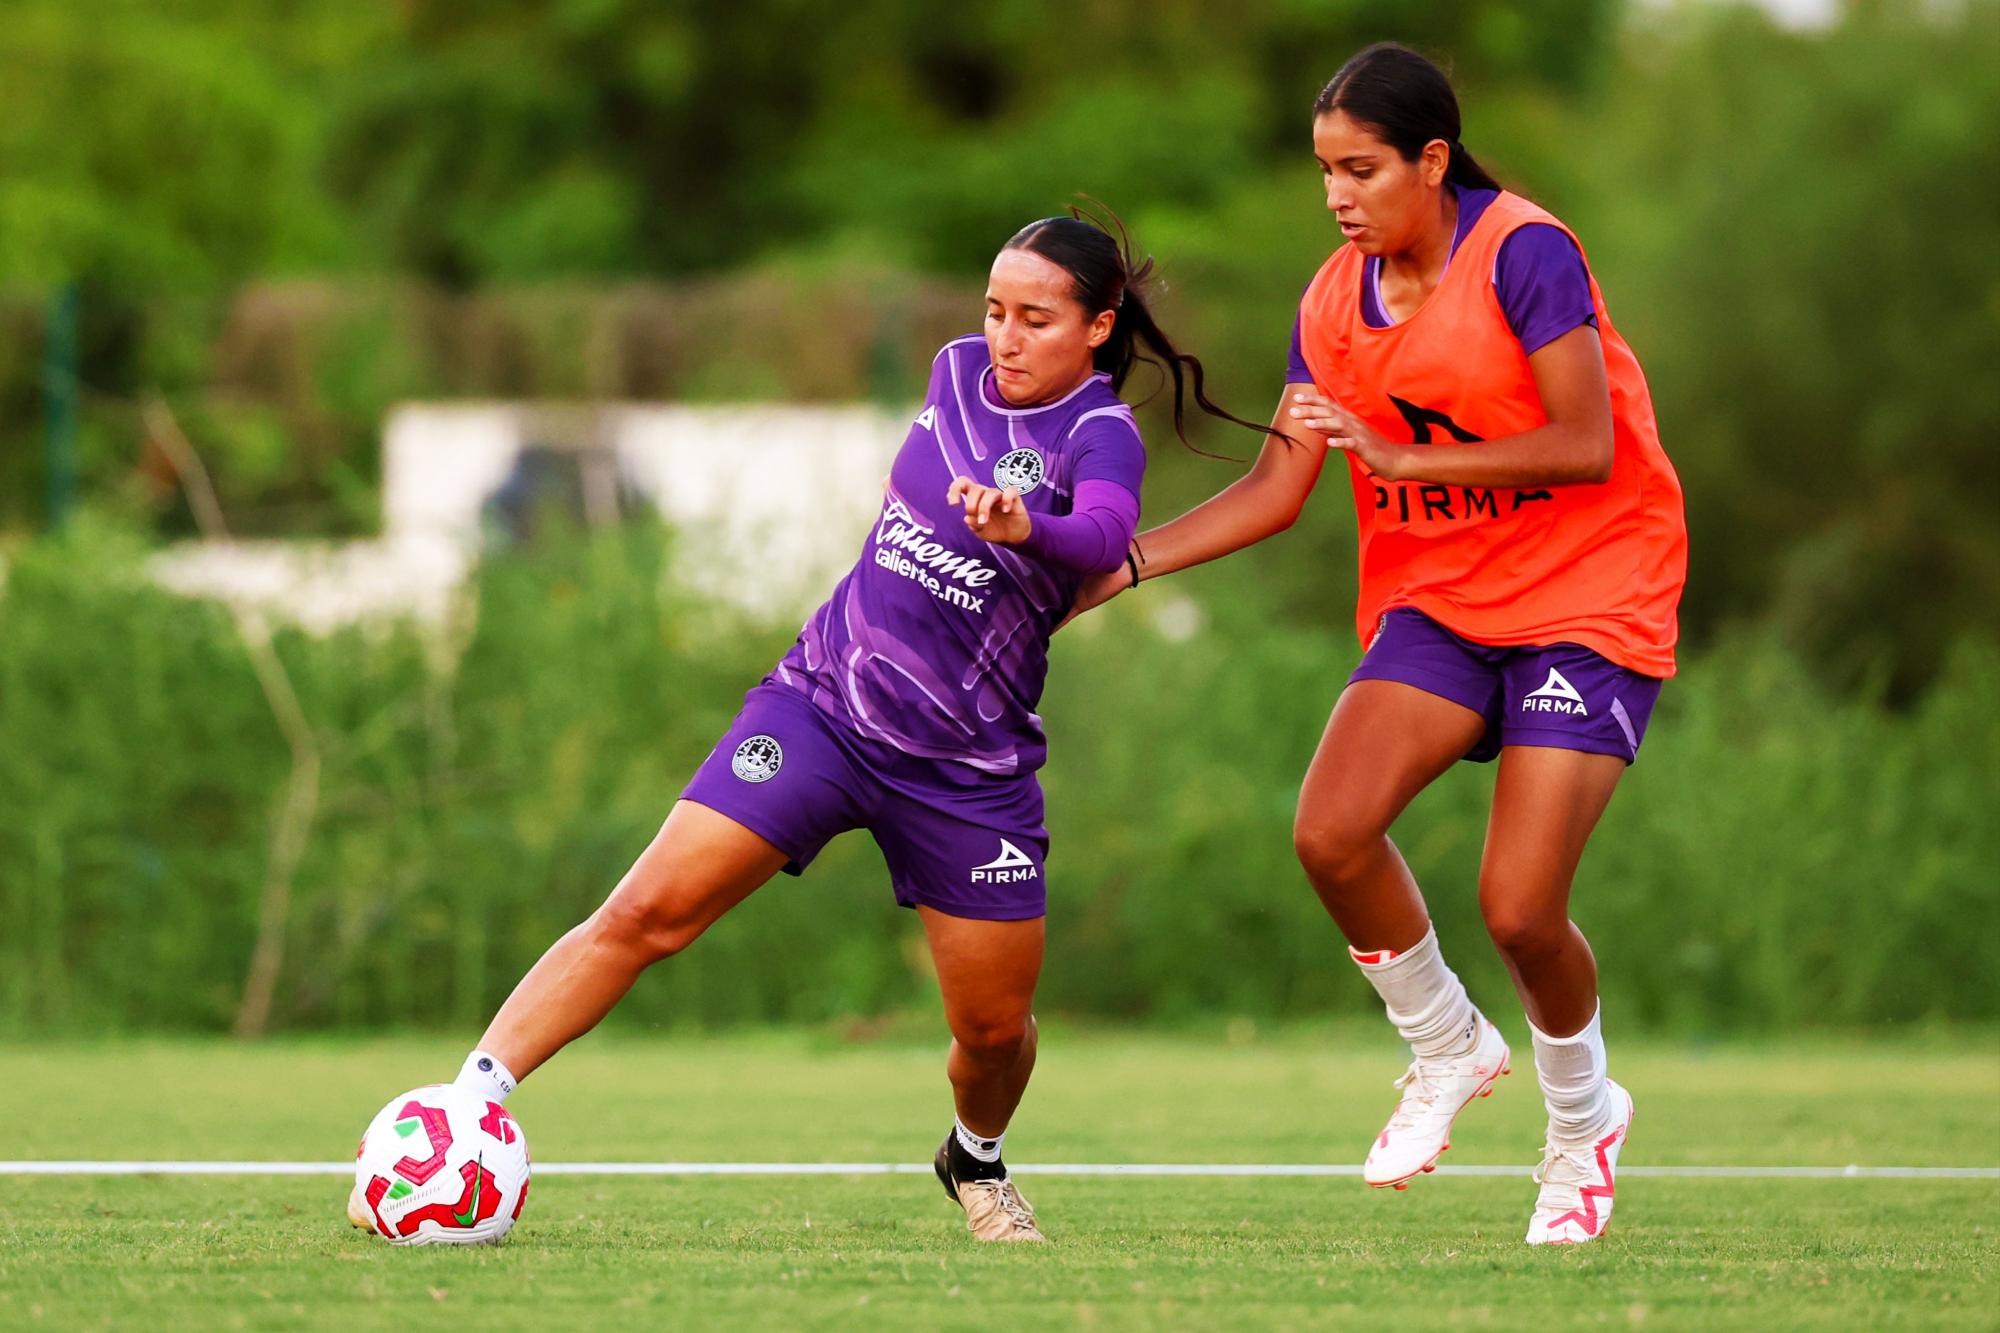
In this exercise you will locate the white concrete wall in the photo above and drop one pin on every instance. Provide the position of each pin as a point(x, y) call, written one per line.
point(772, 501)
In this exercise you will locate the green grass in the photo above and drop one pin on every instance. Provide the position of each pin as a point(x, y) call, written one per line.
point(888, 1252)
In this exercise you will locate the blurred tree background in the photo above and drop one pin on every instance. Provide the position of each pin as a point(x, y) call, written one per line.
point(288, 216)
point(285, 216)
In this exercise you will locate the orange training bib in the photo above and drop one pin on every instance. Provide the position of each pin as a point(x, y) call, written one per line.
point(1598, 565)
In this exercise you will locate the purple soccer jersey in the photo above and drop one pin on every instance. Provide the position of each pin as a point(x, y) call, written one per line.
point(906, 706)
point(936, 643)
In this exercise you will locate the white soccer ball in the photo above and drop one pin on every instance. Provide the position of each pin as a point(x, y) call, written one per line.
point(440, 1166)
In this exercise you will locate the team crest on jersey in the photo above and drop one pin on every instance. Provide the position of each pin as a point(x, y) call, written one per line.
point(758, 759)
point(1019, 468)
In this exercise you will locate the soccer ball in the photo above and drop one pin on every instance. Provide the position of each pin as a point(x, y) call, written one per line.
point(440, 1166)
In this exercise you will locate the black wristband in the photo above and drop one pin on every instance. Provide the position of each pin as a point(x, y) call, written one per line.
point(1132, 563)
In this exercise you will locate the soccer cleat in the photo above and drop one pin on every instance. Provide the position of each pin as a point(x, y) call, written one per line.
point(1434, 1092)
point(1578, 1179)
point(994, 1209)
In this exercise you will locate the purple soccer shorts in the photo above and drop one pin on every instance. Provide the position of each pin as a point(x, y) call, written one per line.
point(1561, 695)
point(796, 778)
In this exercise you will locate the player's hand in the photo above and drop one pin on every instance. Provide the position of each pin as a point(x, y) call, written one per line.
point(995, 515)
point(1344, 430)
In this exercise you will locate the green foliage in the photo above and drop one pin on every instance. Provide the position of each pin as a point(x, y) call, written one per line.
point(152, 148)
point(288, 218)
point(500, 141)
point(1775, 858)
point(1796, 255)
point(1779, 857)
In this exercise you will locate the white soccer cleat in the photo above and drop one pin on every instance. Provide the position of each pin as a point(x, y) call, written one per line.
point(1434, 1092)
point(994, 1209)
point(1578, 1180)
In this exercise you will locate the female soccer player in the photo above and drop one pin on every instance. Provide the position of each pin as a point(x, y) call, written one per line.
point(907, 705)
point(1522, 555)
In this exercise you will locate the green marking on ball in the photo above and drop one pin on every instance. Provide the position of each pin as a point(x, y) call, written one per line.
point(471, 1215)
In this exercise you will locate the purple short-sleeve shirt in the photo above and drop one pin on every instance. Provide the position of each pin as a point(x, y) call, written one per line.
point(1539, 276)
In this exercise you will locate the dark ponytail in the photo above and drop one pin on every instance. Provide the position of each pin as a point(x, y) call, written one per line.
point(1408, 102)
point(1104, 276)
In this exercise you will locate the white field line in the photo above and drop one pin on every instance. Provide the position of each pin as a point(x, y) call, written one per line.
point(1026, 1169)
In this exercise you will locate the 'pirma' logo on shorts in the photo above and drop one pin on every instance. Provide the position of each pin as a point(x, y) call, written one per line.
point(1556, 696)
point(758, 759)
point(1012, 866)
point(1019, 468)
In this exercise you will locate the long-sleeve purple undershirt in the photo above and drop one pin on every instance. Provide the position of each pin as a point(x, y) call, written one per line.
point(1094, 536)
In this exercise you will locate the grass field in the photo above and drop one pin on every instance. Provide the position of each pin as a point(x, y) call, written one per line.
point(888, 1251)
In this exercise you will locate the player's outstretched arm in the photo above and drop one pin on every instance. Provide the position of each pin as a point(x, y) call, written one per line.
point(1262, 503)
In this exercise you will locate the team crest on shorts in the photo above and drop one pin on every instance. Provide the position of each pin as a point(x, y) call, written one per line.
point(758, 759)
point(1019, 468)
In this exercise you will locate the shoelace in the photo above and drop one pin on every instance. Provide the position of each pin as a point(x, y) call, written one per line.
point(1006, 1198)
point(1567, 1169)
point(1420, 1089)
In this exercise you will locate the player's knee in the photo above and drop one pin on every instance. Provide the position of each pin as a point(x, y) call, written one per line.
point(1334, 851)
point(994, 1036)
point(653, 926)
point(1520, 931)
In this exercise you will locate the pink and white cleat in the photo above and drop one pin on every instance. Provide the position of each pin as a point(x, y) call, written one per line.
point(1578, 1180)
point(1434, 1092)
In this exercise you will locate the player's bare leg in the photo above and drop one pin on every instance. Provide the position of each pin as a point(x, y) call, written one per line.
point(1385, 743)
point(1546, 802)
point(698, 866)
point(987, 972)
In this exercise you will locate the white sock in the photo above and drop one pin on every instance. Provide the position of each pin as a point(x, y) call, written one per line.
point(1572, 1073)
point(485, 1075)
point(981, 1149)
point(1425, 999)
